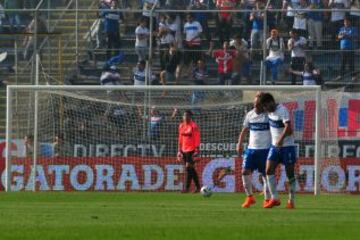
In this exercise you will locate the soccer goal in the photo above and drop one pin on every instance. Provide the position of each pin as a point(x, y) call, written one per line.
point(124, 138)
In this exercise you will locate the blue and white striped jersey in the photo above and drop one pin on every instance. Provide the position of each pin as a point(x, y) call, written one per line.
point(258, 125)
point(277, 122)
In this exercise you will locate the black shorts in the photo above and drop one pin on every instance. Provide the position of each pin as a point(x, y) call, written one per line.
point(188, 157)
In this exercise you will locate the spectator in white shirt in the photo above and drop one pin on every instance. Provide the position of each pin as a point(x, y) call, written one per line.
point(142, 34)
point(296, 45)
point(192, 31)
point(201, 17)
point(276, 47)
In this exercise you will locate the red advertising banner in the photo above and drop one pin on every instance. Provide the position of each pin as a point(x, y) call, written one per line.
point(165, 174)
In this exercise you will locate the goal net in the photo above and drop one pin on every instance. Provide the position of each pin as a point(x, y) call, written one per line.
point(124, 138)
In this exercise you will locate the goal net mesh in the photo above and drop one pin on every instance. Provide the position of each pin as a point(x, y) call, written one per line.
point(126, 140)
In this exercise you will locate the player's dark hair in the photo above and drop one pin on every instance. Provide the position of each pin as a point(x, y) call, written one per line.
point(266, 98)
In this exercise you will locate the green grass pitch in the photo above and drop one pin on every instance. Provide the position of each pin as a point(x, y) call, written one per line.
point(170, 216)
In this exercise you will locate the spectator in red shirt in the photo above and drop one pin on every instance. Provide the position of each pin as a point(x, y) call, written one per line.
point(189, 142)
point(225, 59)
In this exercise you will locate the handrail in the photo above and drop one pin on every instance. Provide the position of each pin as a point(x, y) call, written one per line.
point(63, 13)
point(56, 23)
point(92, 10)
point(72, 35)
point(267, 5)
point(53, 27)
point(39, 5)
point(88, 36)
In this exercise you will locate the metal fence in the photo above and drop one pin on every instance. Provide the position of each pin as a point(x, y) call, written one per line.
point(75, 34)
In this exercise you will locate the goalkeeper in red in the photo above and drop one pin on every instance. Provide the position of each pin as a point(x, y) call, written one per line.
point(282, 151)
point(254, 158)
point(189, 142)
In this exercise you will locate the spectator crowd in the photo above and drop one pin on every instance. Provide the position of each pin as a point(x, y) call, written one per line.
point(184, 45)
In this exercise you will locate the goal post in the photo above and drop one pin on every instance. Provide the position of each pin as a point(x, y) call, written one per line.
point(317, 158)
point(60, 109)
point(8, 139)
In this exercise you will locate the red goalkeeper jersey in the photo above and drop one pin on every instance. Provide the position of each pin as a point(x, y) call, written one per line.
point(189, 137)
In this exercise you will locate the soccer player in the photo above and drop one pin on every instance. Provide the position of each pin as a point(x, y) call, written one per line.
point(257, 123)
point(189, 141)
point(281, 151)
